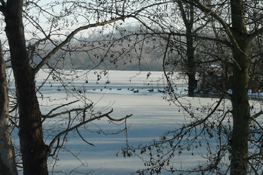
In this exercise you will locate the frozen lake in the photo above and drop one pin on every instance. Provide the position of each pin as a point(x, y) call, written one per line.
point(126, 92)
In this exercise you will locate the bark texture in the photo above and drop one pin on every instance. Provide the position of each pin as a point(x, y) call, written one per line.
point(191, 67)
point(188, 18)
point(240, 101)
point(34, 151)
point(7, 155)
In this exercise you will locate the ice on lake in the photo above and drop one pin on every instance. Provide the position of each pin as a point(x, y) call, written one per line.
point(126, 92)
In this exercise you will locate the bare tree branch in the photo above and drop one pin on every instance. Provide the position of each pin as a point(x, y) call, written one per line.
point(83, 138)
point(256, 33)
point(208, 10)
point(85, 122)
point(65, 112)
point(70, 36)
point(201, 27)
point(256, 115)
point(183, 14)
point(33, 47)
point(46, 116)
point(225, 42)
point(218, 88)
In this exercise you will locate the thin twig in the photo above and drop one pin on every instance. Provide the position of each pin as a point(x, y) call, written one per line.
point(85, 122)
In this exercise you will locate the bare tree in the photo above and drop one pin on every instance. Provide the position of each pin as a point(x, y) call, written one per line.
point(238, 133)
point(7, 161)
point(33, 45)
point(188, 18)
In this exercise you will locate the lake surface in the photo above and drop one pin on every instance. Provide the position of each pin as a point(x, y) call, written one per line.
point(126, 92)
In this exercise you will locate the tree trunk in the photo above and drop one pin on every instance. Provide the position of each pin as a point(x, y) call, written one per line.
point(34, 151)
point(190, 62)
point(241, 114)
point(240, 101)
point(191, 70)
point(7, 155)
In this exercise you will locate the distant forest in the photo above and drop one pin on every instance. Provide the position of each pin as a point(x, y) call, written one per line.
point(111, 52)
